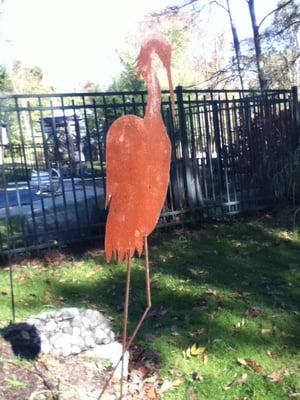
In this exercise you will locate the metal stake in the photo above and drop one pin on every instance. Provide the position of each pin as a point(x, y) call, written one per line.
point(12, 295)
point(125, 324)
point(127, 345)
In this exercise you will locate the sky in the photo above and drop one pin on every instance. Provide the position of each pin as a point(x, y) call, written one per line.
point(75, 41)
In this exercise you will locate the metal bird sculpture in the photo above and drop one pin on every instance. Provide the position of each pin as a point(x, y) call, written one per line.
point(138, 154)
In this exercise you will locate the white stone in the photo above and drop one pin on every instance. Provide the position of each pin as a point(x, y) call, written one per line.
point(113, 353)
point(55, 352)
point(85, 322)
point(76, 321)
point(89, 341)
point(66, 350)
point(50, 326)
point(75, 349)
point(78, 341)
point(76, 331)
point(45, 347)
point(99, 335)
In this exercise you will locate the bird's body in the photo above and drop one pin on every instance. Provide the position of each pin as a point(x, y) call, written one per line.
point(136, 190)
point(138, 153)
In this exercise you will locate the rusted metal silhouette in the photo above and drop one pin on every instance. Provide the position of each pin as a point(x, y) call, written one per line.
point(138, 154)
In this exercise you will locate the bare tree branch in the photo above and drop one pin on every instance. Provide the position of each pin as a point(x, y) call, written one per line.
point(219, 4)
point(274, 11)
point(174, 9)
point(287, 27)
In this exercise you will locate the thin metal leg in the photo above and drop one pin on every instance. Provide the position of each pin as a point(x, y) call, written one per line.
point(148, 296)
point(124, 338)
point(12, 294)
point(125, 324)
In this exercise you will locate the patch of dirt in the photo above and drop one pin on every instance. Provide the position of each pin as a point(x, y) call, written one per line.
point(75, 377)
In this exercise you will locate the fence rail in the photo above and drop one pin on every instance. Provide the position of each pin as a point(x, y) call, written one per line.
point(228, 148)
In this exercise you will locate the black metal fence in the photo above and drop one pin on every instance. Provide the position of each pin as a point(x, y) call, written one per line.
point(228, 148)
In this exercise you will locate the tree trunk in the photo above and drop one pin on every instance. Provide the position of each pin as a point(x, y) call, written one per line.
point(263, 83)
point(236, 45)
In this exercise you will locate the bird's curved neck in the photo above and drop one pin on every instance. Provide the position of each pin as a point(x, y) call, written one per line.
point(153, 109)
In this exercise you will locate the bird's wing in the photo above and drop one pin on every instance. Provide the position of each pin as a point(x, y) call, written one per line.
point(124, 149)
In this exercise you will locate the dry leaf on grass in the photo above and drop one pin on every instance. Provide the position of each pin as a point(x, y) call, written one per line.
point(238, 382)
point(152, 394)
point(254, 312)
point(240, 324)
point(211, 292)
point(192, 394)
point(194, 351)
point(253, 365)
point(275, 377)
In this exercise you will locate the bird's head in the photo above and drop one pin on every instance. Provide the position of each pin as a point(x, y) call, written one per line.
point(156, 44)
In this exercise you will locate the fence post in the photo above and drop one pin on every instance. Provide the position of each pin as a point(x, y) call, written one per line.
point(216, 124)
point(295, 115)
point(187, 162)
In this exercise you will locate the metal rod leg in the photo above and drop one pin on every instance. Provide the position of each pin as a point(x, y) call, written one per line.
point(148, 296)
point(12, 294)
point(124, 338)
point(125, 324)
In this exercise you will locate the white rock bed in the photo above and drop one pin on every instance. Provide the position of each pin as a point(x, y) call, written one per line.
point(71, 331)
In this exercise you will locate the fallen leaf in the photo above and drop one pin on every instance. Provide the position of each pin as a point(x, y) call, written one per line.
point(194, 351)
point(254, 312)
point(241, 295)
point(142, 372)
point(265, 331)
point(294, 395)
point(90, 274)
point(192, 394)
point(194, 272)
point(238, 382)
point(166, 386)
point(211, 292)
point(241, 361)
point(197, 377)
point(240, 324)
point(270, 354)
point(199, 332)
point(174, 331)
point(151, 393)
point(250, 364)
point(254, 366)
point(241, 381)
point(275, 377)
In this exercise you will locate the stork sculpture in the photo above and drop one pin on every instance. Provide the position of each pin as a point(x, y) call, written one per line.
point(138, 154)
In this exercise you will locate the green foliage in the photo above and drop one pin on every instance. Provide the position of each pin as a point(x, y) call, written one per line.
point(128, 79)
point(5, 82)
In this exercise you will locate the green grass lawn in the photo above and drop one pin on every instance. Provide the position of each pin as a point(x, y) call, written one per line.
point(231, 288)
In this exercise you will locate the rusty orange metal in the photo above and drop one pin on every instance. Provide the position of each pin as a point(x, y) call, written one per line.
point(138, 154)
